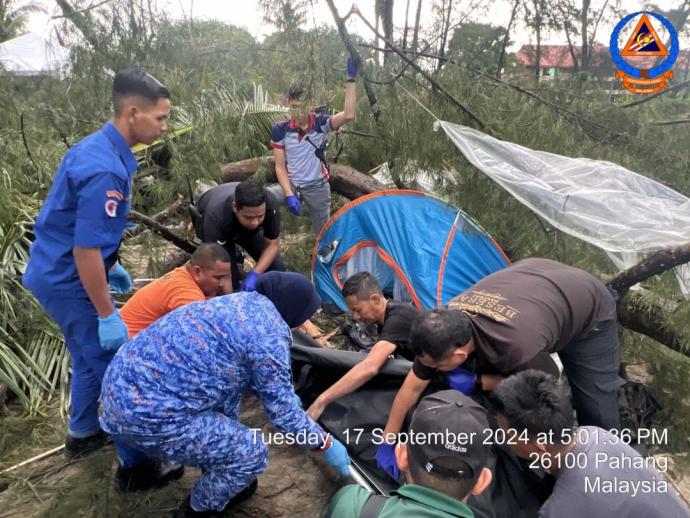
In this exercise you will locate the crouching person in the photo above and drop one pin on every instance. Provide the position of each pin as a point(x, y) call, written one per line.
point(597, 474)
point(444, 462)
point(173, 392)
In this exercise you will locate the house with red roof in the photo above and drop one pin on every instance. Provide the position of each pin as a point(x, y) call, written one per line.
point(557, 61)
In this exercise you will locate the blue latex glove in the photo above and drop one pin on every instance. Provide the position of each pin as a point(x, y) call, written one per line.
point(129, 225)
point(385, 458)
point(462, 380)
point(112, 331)
point(119, 279)
point(249, 283)
point(298, 401)
point(351, 69)
point(294, 205)
point(337, 457)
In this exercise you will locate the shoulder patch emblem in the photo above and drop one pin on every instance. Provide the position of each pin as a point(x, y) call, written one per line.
point(111, 208)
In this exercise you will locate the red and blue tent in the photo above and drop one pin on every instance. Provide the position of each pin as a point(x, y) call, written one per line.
point(419, 248)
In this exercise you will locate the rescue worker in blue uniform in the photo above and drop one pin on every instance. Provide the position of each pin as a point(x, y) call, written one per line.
point(173, 392)
point(77, 236)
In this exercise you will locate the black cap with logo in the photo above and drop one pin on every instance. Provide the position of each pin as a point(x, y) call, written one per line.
point(450, 431)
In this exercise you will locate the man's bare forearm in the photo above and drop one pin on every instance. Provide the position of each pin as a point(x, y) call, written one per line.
point(267, 256)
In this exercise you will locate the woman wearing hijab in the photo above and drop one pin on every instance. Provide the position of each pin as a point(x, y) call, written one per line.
point(173, 392)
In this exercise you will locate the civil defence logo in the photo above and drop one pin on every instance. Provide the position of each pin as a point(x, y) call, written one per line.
point(650, 37)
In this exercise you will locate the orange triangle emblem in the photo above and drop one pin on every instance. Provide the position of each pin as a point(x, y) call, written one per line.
point(644, 41)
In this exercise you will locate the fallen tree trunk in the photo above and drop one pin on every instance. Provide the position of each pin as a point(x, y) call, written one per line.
point(649, 320)
point(650, 266)
point(345, 180)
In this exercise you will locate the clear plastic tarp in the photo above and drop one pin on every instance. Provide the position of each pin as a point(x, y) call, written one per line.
point(622, 212)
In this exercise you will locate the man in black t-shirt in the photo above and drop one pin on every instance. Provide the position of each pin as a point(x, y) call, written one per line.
point(243, 214)
point(512, 321)
point(367, 304)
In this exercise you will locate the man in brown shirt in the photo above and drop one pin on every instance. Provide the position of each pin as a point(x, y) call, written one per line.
point(512, 321)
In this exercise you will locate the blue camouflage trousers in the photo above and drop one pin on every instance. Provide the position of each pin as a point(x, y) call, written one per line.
point(230, 454)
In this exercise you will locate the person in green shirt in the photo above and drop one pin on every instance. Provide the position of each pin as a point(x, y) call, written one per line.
point(443, 458)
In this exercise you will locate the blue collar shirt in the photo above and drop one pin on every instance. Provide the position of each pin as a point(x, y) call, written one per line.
point(86, 207)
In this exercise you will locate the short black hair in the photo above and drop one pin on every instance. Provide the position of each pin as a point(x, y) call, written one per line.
point(206, 255)
point(537, 402)
point(438, 332)
point(362, 285)
point(456, 487)
point(134, 81)
point(295, 92)
point(249, 194)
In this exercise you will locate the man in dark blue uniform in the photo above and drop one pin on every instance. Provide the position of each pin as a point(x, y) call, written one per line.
point(78, 233)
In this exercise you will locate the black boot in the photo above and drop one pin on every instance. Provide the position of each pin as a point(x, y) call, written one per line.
point(76, 446)
point(149, 474)
point(185, 510)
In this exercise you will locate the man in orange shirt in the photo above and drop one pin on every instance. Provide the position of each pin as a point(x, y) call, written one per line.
point(205, 276)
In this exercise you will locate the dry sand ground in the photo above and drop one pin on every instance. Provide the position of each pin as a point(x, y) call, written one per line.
point(296, 483)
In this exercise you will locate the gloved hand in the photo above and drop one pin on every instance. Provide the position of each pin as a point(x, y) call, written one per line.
point(119, 280)
point(351, 69)
point(337, 457)
point(249, 283)
point(294, 205)
point(112, 331)
point(385, 458)
point(462, 380)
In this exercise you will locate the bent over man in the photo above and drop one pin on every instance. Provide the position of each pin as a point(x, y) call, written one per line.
point(173, 392)
point(243, 214)
point(511, 321)
point(206, 275)
point(367, 304)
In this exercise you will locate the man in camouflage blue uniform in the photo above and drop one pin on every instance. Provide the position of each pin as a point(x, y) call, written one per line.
point(173, 392)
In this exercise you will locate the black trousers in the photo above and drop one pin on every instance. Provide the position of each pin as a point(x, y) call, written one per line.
point(591, 364)
point(253, 243)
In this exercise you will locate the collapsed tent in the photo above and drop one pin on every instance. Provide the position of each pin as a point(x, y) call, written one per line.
point(607, 205)
point(32, 55)
point(420, 249)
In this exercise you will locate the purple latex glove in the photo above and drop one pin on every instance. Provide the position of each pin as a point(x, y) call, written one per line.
point(385, 458)
point(462, 380)
point(351, 68)
point(249, 283)
point(294, 205)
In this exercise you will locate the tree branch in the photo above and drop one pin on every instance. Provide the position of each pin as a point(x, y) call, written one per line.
point(160, 217)
point(655, 264)
point(424, 74)
point(671, 123)
point(162, 231)
point(352, 49)
point(654, 96)
point(637, 315)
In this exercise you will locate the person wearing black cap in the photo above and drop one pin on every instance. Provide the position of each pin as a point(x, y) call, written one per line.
point(173, 393)
point(444, 460)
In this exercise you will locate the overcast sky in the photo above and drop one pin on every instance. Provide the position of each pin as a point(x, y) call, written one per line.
point(246, 13)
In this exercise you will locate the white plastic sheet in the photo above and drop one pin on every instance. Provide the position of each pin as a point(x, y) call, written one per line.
point(622, 212)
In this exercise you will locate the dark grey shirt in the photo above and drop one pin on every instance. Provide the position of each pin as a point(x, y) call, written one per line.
point(220, 222)
point(604, 478)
